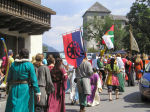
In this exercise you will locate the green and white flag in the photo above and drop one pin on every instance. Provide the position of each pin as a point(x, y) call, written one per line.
point(108, 38)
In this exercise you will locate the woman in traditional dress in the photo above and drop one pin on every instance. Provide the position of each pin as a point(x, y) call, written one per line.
point(59, 77)
point(129, 72)
point(96, 87)
point(74, 95)
point(121, 73)
point(101, 69)
point(112, 79)
point(21, 73)
point(138, 67)
point(44, 82)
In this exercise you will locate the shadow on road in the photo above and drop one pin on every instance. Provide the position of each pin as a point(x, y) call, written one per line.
point(133, 98)
point(135, 101)
point(71, 104)
point(72, 110)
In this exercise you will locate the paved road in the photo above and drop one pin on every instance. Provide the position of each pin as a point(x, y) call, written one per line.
point(128, 102)
point(2, 101)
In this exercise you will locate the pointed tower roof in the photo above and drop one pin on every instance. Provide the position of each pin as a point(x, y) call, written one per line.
point(97, 7)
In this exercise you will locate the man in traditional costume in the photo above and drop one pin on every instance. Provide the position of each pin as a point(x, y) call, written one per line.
point(83, 73)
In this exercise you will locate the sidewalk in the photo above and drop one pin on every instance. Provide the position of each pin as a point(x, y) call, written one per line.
point(2, 105)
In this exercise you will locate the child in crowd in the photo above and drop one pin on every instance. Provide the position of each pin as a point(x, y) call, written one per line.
point(96, 87)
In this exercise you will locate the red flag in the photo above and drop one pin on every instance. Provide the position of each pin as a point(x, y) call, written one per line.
point(103, 42)
point(73, 48)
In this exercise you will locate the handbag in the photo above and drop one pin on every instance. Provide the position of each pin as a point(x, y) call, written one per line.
point(115, 81)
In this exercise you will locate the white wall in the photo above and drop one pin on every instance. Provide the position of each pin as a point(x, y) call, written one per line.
point(92, 44)
point(33, 44)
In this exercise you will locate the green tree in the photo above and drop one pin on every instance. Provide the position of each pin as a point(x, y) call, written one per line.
point(139, 18)
point(95, 28)
point(92, 50)
point(45, 48)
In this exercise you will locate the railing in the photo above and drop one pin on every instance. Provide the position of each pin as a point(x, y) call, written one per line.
point(27, 12)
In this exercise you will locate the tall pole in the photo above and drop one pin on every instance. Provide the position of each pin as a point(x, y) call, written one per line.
point(130, 40)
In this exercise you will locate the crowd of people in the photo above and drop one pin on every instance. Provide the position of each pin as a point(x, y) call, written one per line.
point(40, 85)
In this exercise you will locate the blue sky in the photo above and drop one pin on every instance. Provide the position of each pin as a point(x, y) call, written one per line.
point(69, 16)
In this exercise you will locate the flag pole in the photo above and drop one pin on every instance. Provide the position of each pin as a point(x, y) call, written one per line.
point(77, 29)
point(130, 39)
point(82, 39)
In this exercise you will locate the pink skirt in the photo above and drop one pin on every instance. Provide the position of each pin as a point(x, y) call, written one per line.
point(115, 81)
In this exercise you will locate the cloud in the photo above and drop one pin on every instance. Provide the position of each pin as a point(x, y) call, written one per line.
point(69, 16)
point(122, 2)
point(72, 1)
point(122, 11)
point(60, 25)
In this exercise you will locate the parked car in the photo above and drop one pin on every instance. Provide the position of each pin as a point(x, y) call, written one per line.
point(144, 84)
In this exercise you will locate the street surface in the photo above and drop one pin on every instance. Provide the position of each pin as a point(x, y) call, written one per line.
point(2, 101)
point(129, 102)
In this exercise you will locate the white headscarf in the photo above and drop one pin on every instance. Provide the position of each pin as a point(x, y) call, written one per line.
point(120, 63)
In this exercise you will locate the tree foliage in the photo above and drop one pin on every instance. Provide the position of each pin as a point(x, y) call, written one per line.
point(139, 18)
point(92, 50)
point(95, 28)
point(45, 48)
